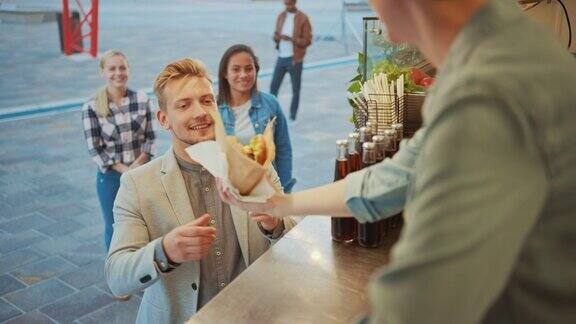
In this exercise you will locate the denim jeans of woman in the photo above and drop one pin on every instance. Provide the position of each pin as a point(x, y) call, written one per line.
point(107, 185)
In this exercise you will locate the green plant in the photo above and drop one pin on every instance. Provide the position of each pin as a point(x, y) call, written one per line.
point(355, 86)
point(391, 69)
point(355, 83)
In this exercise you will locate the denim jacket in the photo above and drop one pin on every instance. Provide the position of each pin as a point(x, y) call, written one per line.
point(264, 108)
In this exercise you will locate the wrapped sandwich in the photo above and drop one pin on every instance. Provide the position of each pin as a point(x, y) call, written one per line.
point(256, 150)
point(247, 164)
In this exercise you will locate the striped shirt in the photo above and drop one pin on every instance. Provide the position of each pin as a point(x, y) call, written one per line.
point(121, 136)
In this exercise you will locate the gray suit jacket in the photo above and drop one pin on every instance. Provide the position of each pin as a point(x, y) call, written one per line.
point(152, 201)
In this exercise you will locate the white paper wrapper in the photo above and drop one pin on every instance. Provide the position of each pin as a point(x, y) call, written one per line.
point(211, 157)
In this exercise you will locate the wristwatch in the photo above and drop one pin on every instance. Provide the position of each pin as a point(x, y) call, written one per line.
point(161, 262)
point(163, 267)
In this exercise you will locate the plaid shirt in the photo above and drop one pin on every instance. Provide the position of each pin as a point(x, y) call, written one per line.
point(121, 136)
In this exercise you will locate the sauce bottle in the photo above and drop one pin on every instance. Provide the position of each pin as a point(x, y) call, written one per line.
point(354, 157)
point(391, 138)
point(380, 144)
point(369, 234)
point(391, 226)
point(344, 229)
point(399, 129)
point(365, 135)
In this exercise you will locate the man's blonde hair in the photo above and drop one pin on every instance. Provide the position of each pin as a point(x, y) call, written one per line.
point(185, 68)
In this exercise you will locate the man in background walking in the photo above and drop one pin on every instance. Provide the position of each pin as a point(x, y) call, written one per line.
point(292, 36)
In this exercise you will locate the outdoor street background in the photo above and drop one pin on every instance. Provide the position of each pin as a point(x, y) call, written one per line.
point(51, 246)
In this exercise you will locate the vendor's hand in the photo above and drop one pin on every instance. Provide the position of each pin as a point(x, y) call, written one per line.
point(189, 242)
point(268, 223)
point(274, 206)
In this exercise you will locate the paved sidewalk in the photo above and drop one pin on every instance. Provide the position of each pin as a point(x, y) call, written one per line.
point(151, 33)
point(51, 245)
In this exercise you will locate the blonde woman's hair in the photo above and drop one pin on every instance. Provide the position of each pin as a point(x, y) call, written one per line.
point(101, 98)
point(185, 68)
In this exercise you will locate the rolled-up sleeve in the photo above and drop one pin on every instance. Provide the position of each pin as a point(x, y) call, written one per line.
point(476, 198)
point(380, 191)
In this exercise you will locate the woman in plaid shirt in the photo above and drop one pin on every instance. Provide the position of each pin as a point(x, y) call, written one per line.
point(118, 130)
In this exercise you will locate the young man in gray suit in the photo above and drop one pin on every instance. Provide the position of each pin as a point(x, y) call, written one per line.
point(173, 236)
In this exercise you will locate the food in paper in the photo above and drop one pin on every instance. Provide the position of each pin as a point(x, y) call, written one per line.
point(255, 150)
point(245, 173)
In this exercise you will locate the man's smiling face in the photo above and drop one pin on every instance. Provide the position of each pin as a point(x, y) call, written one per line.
point(185, 114)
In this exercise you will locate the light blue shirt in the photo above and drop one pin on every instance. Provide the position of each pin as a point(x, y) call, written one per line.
point(490, 234)
point(380, 191)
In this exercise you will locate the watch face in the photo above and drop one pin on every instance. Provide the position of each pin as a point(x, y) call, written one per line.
point(164, 266)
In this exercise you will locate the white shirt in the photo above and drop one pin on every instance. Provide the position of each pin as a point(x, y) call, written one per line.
point(286, 48)
point(243, 128)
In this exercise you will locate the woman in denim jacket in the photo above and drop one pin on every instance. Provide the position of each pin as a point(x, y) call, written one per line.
point(246, 111)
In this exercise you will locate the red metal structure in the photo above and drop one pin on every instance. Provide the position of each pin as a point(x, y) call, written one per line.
point(73, 32)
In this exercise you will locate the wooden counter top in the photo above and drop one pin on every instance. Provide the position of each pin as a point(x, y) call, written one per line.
point(304, 278)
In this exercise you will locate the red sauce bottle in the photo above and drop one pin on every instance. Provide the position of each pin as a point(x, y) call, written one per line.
point(391, 226)
point(354, 157)
point(369, 234)
point(344, 229)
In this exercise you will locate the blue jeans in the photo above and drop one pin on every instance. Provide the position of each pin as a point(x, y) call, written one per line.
point(283, 65)
point(107, 185)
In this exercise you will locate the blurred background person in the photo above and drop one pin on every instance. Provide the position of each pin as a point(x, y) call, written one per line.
point(118, 130)
point(293, 34)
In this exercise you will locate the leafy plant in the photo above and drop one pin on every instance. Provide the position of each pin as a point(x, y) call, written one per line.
point(398, 60)
point(393, 71)
point(357, 79)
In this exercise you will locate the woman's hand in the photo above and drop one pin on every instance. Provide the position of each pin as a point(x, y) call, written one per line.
point(275, 206)
point(141, 159)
